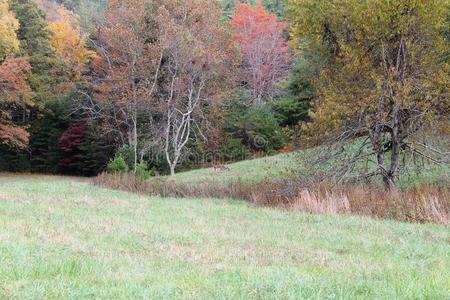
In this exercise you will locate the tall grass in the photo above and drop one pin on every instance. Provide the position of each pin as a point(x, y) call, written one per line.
point(424, 203)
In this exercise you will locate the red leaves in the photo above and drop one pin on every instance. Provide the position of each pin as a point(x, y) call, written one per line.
point(70, 143)
point(14, 136)
point(13, 88)
point(13, 78)
point(265, 53)
point(73, 137)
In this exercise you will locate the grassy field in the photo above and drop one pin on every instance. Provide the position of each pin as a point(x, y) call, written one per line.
point(250, 170)
point(62, 238)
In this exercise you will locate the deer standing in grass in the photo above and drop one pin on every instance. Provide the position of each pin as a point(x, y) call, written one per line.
point(217, 166)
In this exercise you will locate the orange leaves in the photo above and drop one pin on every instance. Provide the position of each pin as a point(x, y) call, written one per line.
point(253, 22)
point(265, 53)
point(67, 38)
point(14, 136)
point(13, 89)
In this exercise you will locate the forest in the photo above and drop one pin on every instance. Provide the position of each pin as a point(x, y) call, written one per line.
point(85, 81)
point(164, 85)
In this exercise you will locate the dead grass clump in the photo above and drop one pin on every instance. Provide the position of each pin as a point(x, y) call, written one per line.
point(426, 203)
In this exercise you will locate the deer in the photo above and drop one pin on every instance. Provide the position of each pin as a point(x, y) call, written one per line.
point(217, 166)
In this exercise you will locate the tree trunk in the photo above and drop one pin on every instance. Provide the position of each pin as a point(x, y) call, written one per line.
point(135, 144)
point(392, 175)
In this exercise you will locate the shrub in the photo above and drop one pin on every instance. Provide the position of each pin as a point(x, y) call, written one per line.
point(117, 165)
point(142, 171)
point(126, 152)
point(234, 150)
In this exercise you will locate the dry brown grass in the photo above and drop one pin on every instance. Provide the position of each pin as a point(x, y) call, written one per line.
point(426, 203)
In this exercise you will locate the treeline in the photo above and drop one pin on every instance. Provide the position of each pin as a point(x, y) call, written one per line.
point(153, 82)
point(167, 84)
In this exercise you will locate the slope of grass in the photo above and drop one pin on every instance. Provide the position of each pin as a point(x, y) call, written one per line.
point(248, 170)
point(66, 239)
point(293, 164)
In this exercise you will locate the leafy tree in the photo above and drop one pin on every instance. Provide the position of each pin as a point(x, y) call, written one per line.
point(194, 44)
point(125, 71)
point(14, 89)
point(384, 76)
point(70, 45)
point(117, 165)
point(8, 31)
point(70, 145)
point(67, 38)
point(159, 65)
point(265, 54)
point(14, 95)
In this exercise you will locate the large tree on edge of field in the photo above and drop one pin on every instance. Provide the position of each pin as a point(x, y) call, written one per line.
point(385, 75)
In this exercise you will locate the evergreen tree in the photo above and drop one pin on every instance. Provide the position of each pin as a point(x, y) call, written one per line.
point(35, 40)
point(96, 150)
point(294, 107)
point(33, 34)
point(46, 131)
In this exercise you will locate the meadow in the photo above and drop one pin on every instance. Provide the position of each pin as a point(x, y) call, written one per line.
point(64, 238)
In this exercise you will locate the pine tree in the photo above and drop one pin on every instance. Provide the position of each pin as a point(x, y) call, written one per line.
point(45, 133)
point(35, 41)
point(33, 34)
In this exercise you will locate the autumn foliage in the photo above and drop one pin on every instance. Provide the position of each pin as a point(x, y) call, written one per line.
point(70, 144)
point(14, 91)
point(8, 28)
point(265, 54)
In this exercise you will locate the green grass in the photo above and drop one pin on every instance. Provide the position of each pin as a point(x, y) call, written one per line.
point(249, 170)
point(66, 239)
point(289, 164)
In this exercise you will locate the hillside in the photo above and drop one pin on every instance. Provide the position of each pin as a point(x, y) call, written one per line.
point(64, 238)
point(251, 170)
point(293, 164)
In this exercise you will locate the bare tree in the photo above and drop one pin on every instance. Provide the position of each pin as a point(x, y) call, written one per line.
point(195, 59)
point(126, 70)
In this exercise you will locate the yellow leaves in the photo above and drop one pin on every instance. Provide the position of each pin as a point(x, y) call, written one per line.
point(373, 50)
point(67, 38)
point(8, 28)
point(70, 45)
